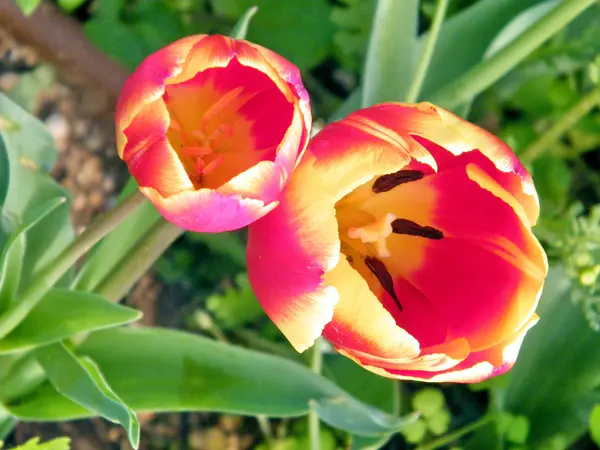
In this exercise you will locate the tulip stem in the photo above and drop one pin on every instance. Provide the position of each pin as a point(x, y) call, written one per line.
point(483, 75)
point(455, 435)
point(48, 277)
point(564, 124)
point(316, 363)
point(145, 253)
point(434, 31)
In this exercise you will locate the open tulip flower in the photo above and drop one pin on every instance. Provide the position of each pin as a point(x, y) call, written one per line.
point(211, 128)
point(404, 239)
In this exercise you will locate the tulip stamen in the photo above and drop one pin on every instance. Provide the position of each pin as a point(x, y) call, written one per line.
point(196, 151)
point(388, 182)
point(222, 103)
point(176, 126)
point(375, 233)
point(408, 227)
point(377, 267)
point(211, 166)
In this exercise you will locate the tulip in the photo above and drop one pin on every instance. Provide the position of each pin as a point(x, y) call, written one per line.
point(211, 129)
point(404, 239)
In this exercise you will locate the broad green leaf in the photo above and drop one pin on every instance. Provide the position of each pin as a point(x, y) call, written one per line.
point(456, 50)
point(83, 383)
point(164, 370)
point(63, 313)
point(556, 397)
point(23, 376)
point(367, 387)
point(55, 444)
point(133, 425)
point(481, 76)
point(7, 424)
point(390, 55)
point(113, 248)
point(13, 254)
point(300, 32)
point(241, 27)
point(28, 6)
point(4, 172)
point(369, 443)
point(31, 154)
point(518, 25)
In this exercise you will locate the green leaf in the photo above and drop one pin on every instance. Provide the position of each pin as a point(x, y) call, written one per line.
point(7, 424)
point(63, 313)
point(429, 402)
point(301, 34)
point(556, 398)
point(22, 376)
point(369, 443)
point(55, 444)
point(367, 387)
point(13, 254)
point(483, 75)
point(82, 382)
point(28, 6)
point(456, 50)
point(389, 62)
point(241, 28)
point(107, 255)
point(70, 5)
point(595, 425)
point(164, 370)
point(31, 154)
point(518, 25)
point(4, 172)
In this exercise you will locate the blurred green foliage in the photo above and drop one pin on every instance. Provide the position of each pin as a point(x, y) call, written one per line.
point(328, 41)
point(35, 444)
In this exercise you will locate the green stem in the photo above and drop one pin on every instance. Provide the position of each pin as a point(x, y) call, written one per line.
point(487, 72)
point(122, 278)
point(455, 435)
point(564, 124)
point(436, 26)
point(316, 364)
point(55, 271)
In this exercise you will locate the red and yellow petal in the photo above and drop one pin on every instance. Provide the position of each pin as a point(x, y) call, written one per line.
point(288, 253)
point(147, 83)
point(353, 151)
point(458, 137)
point(488, 265)
point(290, 73)
point(206, 210)
point(477, 367)
point(361, 323)
point(149, 156)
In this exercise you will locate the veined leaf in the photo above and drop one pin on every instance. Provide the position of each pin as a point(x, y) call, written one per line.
point(163, 370)
point(63, 313)
point(82, 382)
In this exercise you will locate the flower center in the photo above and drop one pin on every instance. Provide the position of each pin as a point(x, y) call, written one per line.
point(201, 149)
point(375, 233)
point(369, 229)
point(225, 120)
